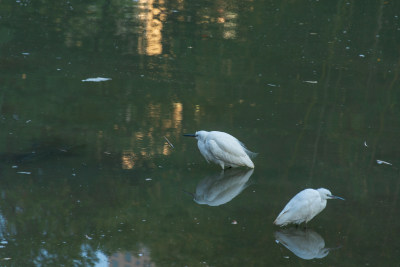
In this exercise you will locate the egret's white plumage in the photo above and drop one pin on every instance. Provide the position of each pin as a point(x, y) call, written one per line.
point(223, 149)
point(304, 206)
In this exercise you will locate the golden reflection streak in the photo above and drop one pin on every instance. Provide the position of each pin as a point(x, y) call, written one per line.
point(175, 123)
point(197, 113)
point(128, 159)
point(151, 136)
point(177, 116)
point(166, 150)
point(149, 42)
point(230, 25)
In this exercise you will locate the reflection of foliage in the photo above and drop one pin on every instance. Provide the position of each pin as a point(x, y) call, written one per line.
point(312, 132)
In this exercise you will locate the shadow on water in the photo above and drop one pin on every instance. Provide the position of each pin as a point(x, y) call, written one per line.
point(304, 243)
point(42, 150)
point(216, 190)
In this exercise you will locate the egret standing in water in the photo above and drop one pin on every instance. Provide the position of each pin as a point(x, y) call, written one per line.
point(223, 149)
point(304, 206)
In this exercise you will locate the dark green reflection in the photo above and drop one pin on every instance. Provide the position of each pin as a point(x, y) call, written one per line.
point(312, 86)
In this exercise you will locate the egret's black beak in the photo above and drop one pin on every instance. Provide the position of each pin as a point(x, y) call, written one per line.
point(335, 197)
point(190, 135)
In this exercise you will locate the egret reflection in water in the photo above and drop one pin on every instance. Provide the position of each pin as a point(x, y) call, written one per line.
point(304, 243)
point(219, 189)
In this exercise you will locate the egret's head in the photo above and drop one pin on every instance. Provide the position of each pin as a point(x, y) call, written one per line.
point(200, 135)
point(326, 194)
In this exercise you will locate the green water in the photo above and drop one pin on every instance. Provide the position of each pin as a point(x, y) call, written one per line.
point(87, 177)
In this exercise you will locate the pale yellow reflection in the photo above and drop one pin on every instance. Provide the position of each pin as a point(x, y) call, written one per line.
point(146, 143)
point(230, 25)
point(197, 113)
point(139, 136)
point(150, 41)
point(228, 19)
point(128, 159)
point(154, 110)
point(166, 149)
point(177, 116)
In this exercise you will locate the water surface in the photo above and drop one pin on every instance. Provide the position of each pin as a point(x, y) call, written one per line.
point(89, 92)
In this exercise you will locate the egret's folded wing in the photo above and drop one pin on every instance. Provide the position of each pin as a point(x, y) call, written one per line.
point(230, 145)
point(301, 202)
point(297, 207)
point(227, 154)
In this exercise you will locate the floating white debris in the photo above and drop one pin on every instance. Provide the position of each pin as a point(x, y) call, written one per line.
point(88, 237)
point(286, 257)
point(365, 144)
point(14, 166)
point(273, 85)
point(28, 121)
point(169, 143)
point(25, 54)
point(140, 254)
point(277, 241)
point(24, 172)
point(148, 179)
point(98, 79)
point(361, 55)
point(234, 222)
point(383, 162)
point(313, 82)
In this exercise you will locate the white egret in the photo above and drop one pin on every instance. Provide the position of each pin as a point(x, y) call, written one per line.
point(223, 149)
point(304, 206)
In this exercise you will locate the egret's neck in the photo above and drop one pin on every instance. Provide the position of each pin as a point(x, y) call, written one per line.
point(201, 135)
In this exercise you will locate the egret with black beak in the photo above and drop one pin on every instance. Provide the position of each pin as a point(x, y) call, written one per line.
point(304, 206)
point(223, 149)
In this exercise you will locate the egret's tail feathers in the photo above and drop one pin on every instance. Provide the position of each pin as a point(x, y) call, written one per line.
point(250, 164)
point(282, 219)
point(250, 154)
point(187, 192)
point(279, 223)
